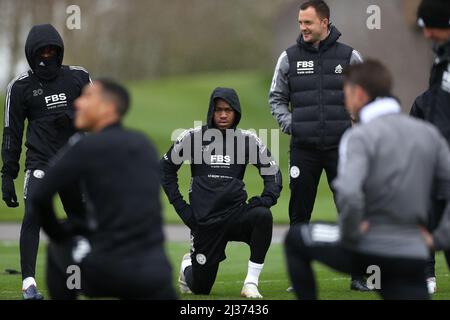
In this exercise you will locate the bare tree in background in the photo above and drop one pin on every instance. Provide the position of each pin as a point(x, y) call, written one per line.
point(141, 39)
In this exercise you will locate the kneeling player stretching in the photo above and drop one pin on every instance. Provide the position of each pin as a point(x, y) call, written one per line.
point(219, 153)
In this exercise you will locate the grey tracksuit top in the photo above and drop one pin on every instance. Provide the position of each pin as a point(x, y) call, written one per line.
point(389, 166)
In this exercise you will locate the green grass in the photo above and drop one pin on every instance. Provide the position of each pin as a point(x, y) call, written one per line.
point(161, 106)
point(232, 272)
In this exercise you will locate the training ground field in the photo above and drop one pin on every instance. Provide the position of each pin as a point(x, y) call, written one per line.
point(273, 282)
point(163, 105)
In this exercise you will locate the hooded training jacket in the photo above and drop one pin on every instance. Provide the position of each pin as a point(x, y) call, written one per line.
point(433, 105)
point(217, 169)
point(47, 105)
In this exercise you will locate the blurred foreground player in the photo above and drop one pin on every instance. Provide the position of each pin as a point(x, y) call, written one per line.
point(122, 254)
point(388, 166)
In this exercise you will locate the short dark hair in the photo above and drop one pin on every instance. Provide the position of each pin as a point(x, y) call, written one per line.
point(372, 76)
point(321, 7)
point(118, 93)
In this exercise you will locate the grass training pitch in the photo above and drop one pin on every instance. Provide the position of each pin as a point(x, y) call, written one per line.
point(159, 107)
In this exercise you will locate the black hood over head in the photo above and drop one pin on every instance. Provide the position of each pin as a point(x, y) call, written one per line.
point(332, 38)
point(231, 97)
point(40, 36)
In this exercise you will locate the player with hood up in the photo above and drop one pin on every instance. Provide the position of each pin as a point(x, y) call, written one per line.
point(43, 97)
point(218, 211)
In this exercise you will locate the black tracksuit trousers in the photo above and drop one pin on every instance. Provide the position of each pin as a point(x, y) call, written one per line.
point(252, 226)
point(435, 217)
point(400, 278)
point(29, 234)
point(306, 166)
point(130, 276)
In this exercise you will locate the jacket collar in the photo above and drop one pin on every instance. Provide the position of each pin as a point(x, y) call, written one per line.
point(380, 107)
point(112, 126)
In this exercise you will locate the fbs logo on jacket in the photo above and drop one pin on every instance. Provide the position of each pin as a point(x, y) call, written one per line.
point(305, 67)
point(56, 101)
point(218, 159)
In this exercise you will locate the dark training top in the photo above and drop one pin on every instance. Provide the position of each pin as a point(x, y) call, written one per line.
point(319, 118)
point(46, 105)
point(434, 104)
point(119, 173)
point(217, 185)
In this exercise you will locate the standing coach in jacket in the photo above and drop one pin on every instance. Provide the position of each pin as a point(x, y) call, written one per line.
point(307, 100)
point(44, 97)
point(433, 105)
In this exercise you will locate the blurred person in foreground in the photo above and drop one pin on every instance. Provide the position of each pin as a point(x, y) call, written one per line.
point(389, 164)
point(121, 255)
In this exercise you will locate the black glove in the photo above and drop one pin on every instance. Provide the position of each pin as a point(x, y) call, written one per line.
point(9, 192)
point(185, 212)
point(260, 202)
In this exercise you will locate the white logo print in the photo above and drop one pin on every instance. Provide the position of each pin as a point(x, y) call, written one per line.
point(218, 159)
point(56, 101)
point(338, 69)
point(81, 250)
point(295, 172)
point(201, 259)
point(421, 23)
point(38, 174)
point(305, 67)
point(446, 80)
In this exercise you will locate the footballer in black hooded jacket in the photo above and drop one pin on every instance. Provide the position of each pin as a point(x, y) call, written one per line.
point(433, 105)
point(43, 97)
point(218, 211)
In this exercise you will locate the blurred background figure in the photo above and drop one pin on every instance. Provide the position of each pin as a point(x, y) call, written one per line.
point(433, 105)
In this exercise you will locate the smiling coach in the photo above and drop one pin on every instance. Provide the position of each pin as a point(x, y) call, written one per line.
point(307, 100)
